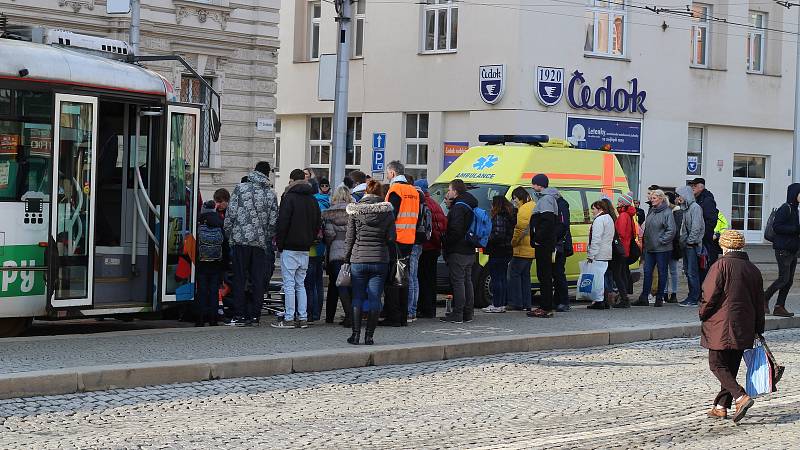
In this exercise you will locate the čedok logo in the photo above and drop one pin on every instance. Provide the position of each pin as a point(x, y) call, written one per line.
point(549, 85)
point(486, 162)
point(492, 82)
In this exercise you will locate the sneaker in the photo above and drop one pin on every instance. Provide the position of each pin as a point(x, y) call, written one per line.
point(301, 324)
point(563, 308)
point(494, 309)
point(450, 319)
point(688, 303)
point(488, 309)
point(411, 318)
point(235, 322)
point(281, 323)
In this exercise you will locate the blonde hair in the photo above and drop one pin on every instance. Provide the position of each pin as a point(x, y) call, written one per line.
point(341, 195)
point(660, 194)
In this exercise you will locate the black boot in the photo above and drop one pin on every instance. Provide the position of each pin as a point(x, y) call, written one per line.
point(347, 306)
point(356, 336)
point(624, 301)
point(372, 322)
point(659, 301)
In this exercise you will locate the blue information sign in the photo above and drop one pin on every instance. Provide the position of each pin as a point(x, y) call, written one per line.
point(379, 141)
point(378, 157)
point(624, 136)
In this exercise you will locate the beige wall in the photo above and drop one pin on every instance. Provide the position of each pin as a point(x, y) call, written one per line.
point(235, 43)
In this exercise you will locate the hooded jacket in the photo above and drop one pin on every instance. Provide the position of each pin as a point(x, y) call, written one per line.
point(459, 219)
point(659, 228)
point(786, 223)
point(334, 221)
point(543, 221)
point(692, 225)
point(299, 218)
point(252, 213)
point(370, 229)
point(625, 228)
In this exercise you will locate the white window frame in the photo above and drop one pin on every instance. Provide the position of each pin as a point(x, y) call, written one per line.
point(450, 9)
point(701, 20)
point(693, 152)
point(320, 141)
point(612, 9)
point(359, 20)
point(358, 133)
point(314, 23)
point(752, 32)
point(276, 167)
point(418, 141)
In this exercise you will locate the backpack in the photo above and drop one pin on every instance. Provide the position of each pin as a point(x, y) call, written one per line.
point(480, 228)
point(563, 232)
point(425, 222)
point(769, 230)
point(210, 243)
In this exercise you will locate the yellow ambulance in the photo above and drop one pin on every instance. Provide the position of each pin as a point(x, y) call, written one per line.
point(505, 162)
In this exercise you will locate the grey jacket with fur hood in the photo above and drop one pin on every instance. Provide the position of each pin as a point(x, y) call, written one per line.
point(370, 230)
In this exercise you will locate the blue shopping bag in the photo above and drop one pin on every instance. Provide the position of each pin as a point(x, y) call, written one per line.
point(759, 371)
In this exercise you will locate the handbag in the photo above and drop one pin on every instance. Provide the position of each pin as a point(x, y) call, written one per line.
point(399, 270)
point(617, 249)
point(344, 279)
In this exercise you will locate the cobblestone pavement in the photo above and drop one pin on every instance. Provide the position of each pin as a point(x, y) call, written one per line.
point(643, 395)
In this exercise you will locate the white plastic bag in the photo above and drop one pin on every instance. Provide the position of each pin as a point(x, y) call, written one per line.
point(590, 283)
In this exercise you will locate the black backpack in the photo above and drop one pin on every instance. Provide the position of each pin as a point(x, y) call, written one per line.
point(563, 233)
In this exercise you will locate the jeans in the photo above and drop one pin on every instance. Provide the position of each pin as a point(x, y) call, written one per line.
point(519, 282)
point(544, 272)
point(498, 271)
point(368, 282)
point(787, 263)
point(651, 260)
point(413, 280)
point(691, 267)
point(314, 288)
point(344, 292)
point(294, 265)
point(248, 262)
point(463, 291)
point(426, 306)
point(673, 275)
point(560, 279)
point(609, 284)
point(209, 277)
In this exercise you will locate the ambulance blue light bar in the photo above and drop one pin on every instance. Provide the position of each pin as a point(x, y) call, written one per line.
point(495, 139)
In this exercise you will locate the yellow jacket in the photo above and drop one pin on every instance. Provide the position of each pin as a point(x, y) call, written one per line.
point(522, 237)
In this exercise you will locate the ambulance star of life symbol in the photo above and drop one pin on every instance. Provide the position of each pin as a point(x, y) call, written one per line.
point(549, 85)
point(485, 162)
point(492, 82)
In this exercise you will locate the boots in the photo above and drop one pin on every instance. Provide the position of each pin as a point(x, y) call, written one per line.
point(356, 318)
point(372, 322)
point(347, 306)
point(659, 301)
point(611, 299)
point(781, 311)
point(624, 301)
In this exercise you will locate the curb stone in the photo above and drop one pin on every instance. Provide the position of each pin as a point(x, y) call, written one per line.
point(98, 378)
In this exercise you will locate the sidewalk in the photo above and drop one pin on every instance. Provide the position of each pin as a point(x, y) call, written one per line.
point(62, 364)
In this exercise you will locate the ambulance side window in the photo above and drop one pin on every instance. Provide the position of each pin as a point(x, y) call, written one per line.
point(576, 208)
point(593, 195)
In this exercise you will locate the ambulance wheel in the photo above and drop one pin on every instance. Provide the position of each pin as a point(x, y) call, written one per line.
point(14, 326)
point(482, 281)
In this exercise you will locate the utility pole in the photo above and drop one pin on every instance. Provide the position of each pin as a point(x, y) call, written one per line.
point(796, 137)
point(136, 22)
point(343, 11)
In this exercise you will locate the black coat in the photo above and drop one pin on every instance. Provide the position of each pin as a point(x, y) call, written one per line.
point(459, 219)
point(786, 224)
point(710, 216)
point(299, 218)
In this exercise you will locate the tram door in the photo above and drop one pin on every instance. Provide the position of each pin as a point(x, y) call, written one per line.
point(73, 205)
point(182, 202)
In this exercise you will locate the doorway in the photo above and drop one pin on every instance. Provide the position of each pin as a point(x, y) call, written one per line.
point(748, 196)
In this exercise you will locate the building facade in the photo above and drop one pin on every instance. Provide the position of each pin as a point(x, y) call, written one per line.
point(233, 44)
point(705, 91)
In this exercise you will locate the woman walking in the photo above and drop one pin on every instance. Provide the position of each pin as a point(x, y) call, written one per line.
point(659, 231)
point(370, 231)
point(732, 312)
point(601, 237)
point(500, 250)
point(334, 221)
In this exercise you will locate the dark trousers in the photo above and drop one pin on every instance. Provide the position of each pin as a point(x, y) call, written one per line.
point(209, 278)
point(787, 263)
point(560, 279)
point(724, 364)
point(544, 272)
point(620, 273)
point(713, 250)
point(426, 306)
point(314, 288)
point(460, 267)
point(396, 304)
point(248, 262)
point(498, 272)
point(653, 260)
point(332, 296)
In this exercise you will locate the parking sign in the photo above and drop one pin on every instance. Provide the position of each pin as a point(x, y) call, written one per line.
point(378, 157)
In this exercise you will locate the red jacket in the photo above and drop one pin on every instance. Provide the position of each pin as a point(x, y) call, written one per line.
point(625, 227)
point(439, 224)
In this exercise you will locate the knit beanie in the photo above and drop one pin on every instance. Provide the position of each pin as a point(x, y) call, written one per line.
point(731, 240)
point(541, 179)
point(625, 199)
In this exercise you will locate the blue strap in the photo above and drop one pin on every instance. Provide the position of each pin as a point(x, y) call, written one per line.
point(462, 203)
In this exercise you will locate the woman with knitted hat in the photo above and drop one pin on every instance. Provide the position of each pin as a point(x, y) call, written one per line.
point(732, 312)
point(626, 230)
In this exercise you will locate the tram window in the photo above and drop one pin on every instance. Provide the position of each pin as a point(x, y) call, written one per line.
point(26, 144)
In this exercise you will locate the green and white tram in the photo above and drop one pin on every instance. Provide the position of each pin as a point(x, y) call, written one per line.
point(98, 186)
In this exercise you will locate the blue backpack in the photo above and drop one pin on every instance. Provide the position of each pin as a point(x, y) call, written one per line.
point(480, 228)
point(210, 243)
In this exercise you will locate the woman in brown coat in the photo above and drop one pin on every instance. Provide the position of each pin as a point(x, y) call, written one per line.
point(732, 312)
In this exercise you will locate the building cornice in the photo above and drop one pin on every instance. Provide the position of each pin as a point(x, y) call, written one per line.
point(219, 11)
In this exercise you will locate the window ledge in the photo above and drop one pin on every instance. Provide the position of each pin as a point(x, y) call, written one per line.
point(356, 58)
point(437, 52)
point(611, 57)
point(762, 74)
point(707, 68)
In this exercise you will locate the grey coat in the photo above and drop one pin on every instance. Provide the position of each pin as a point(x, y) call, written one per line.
point(335, 223)
point(370, 230)
point(693, 226)
point(659, 229)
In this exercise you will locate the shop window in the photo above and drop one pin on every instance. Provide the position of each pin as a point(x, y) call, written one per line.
point(440, 32)
point(701, 23)
point(694, 152)
point(605, 28)
point(416, 145)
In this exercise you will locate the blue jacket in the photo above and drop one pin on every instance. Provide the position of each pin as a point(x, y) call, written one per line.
point(786, 223)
